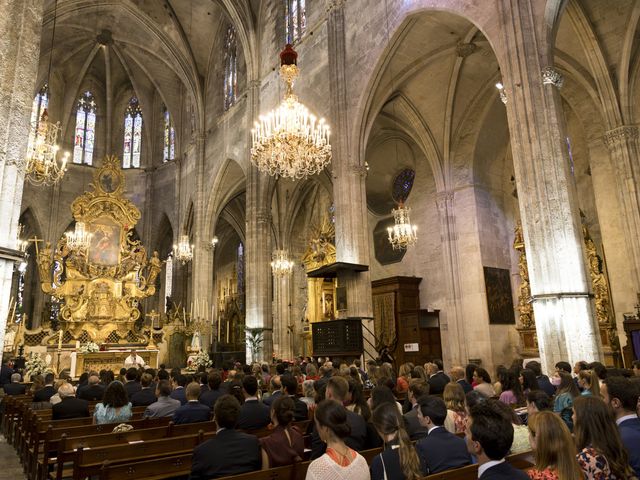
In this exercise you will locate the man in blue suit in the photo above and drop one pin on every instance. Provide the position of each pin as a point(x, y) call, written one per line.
point(440, 450)
point(621, 395)
point(489, 437)
point(179, 382)
point(192, 411)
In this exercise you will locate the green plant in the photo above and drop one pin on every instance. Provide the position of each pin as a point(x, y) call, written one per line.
point(255, 338)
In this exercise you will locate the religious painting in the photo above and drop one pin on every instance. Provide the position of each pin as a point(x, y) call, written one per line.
point(499, 299)
point(109, 182)
point(385, 254)
point(341, 298)
point(327, 304)
point(104, 248)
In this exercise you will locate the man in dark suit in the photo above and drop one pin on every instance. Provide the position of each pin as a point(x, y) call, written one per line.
point(93, 391)
point(192, 411)
point(622, 396)
point(457, 375)
point(132, 385)
point(179, 382)
point(290, 388)
point(489, 437)
point(276, 390)
point(46, 392)
point(204, 383)
point(210, 397)
point(253, 414)
point(543, 380)
point(438, 380)
point(69, 406)
point(5, 372)
point(417, 388)
point(440, 450)
point(146, 396)
point(15, 387)
point(337, 389)
point(230, 452)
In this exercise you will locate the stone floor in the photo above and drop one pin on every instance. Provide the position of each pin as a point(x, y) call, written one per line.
point(10, 467)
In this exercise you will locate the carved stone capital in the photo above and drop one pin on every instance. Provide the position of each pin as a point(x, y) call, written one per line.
point(620, 134)
point(334, 4)
point(263, 217)
point(360, 170)
point(444, 200)
point(550, 76)
point(463, 50)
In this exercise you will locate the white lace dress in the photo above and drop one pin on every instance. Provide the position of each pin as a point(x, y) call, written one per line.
point(324, 468)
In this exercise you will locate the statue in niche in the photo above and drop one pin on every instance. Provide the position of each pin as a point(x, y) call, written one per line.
point(525, 308)
point(45, 261)
point(599, 282)
point(155, 266)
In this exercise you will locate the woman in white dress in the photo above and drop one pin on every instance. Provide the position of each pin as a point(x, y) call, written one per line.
point(339, 462)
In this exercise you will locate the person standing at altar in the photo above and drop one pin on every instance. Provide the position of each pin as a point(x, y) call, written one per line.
point(134, 360)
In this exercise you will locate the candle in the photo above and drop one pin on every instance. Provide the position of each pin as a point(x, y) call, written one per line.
point(60, 340)
point(228, 325)
point(191, 313)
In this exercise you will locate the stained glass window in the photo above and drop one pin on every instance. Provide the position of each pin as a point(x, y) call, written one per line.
point(169, 152)
point(132, 135)
point(230, 68)
point(402, 184)
point(85, 134)
point(40, 104)
point(295, 20)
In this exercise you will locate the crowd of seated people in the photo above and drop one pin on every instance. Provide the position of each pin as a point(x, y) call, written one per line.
point(579, 422)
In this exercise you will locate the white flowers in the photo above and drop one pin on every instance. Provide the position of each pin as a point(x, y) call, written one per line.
point(35, 365)
point(89, 347)
point(201, 359)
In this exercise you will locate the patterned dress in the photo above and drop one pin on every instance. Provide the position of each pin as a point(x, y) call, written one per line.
point(546, 474)
point(594, 465)
point(109, 414)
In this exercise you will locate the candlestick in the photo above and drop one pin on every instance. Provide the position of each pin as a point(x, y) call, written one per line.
point(228, 325)
point(60, 340)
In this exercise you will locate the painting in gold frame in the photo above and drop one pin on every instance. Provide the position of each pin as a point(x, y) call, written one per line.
point(104, 249)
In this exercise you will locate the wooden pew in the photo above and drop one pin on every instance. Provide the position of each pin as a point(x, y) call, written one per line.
point(470, 472)
point(157, 469)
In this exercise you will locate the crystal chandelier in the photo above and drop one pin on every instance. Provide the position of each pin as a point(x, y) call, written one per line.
point(183, 251)
point(280, 264)
point(402, 234)
point(289, 141)
point(80, 238)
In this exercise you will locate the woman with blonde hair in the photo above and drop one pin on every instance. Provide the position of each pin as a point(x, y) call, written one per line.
point(554, 450)
point(589, 382)
point(399, 459)
point(456, 402)
point(404, 376)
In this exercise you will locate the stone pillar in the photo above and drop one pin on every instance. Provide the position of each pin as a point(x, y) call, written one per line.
point(282, 331)
point(546, 193)
point(349, 173)
point(21, 25)
point(623, 149)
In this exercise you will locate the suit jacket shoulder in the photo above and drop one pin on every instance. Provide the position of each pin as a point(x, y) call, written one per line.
point(504, 471)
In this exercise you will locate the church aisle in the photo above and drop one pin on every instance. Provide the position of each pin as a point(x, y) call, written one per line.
point(11, 468)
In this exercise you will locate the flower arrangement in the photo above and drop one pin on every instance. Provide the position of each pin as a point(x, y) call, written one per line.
point(89, 347)
point(35, 365)
point(201, 359)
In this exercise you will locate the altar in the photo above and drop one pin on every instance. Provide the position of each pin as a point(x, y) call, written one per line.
point(109, 360)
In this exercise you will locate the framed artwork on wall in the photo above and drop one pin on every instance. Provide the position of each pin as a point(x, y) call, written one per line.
point(497, 283)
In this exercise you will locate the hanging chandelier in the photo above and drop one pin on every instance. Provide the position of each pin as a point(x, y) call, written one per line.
point(183, 251)
point(281, 265)
point(41, 165)
point(79, 239)
point(290, 141)
point(402, 234)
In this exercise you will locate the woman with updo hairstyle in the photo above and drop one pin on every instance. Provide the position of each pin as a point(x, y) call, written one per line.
point(286, 444)
point(339, 462)
point(115, 406)
point(399, 459)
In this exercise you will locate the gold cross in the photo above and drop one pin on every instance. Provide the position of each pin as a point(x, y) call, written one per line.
point(35, 241)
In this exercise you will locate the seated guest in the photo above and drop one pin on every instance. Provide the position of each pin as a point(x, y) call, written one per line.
point(555, 451)
point(565, 395)
point(92, 391)
point(45, 393)
point(456, 402)
point(83, 380)
point(622, 396)
point(636, 368)
point(106, 377)
point(253, 413)
point(146, 396)
point(404, 375)
point(397, 445)
point(380, 395)
point(337, 389)
point(290, 388)
point(6, 371)
point(37, 383)
point(543, 381)
point(437, 380)
point(458, 376)
point(115, 406)
point(412, 425)
point(520, 442)
point(511, 389)
point(333, 428)
point(601, 453)
point(179, 382)
point(286, 444)
point(538, 401)
point(440, 450)
point(15, 387)
point(489, 437)
point(483, 382)
point(276, 390)
point(528, 381)
point(230, 452)
point(69, 406)
point(132, 385)
point(165, 406)
point(56, 398)
point(209, 397)
point(308, 392)
point(203, 379)
point(192, 411)
point(588, 383)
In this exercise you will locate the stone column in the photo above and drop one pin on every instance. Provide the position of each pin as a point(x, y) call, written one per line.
point(21, 25)
point(282, 316)
point(546, 193)
point(349, 173)
point(624, 150)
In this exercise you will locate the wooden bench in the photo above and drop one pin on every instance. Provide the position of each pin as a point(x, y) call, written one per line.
point(157, 469)
point(470, 472)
